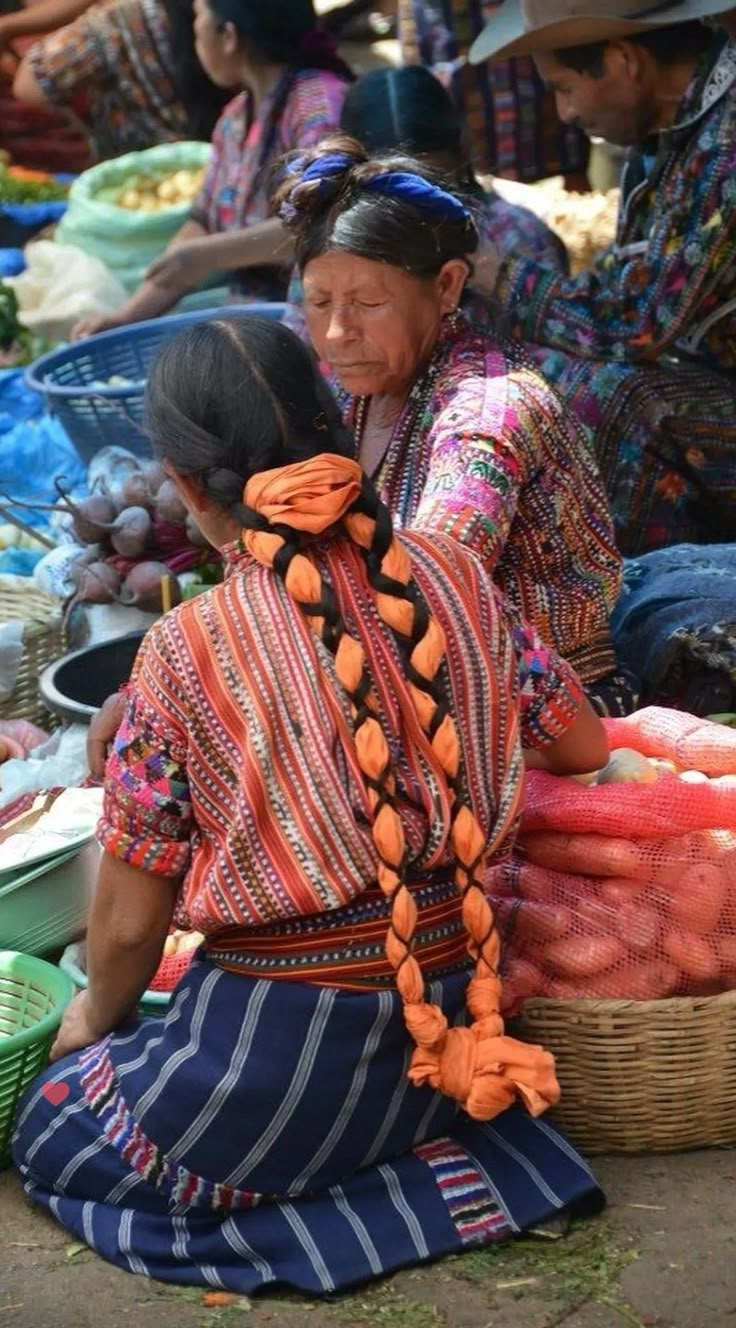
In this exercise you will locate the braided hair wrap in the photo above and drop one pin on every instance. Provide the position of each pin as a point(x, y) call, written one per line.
point(479, 1066)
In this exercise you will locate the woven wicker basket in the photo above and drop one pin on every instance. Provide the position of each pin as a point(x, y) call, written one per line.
point(641, 1076)
point(43, 641)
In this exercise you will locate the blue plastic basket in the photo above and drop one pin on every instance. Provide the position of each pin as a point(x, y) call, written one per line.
point(74, 378)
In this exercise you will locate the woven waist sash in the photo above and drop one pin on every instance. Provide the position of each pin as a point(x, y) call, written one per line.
point(346, 948)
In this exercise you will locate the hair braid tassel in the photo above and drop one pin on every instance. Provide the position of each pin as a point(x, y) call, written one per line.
point(478, 1066)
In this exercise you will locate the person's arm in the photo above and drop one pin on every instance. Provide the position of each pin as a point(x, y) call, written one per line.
point(145, 832)
point(186, 265)
point(560, 731)
point(149, 301)
point(38, 19)
point(478, 464)
point(59, 67)
point(129, 921)
point(633, 309)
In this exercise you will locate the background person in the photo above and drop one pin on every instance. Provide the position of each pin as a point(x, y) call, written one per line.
point(460, 434)
point(293, 88)
point(642, 346)
point(127, 69)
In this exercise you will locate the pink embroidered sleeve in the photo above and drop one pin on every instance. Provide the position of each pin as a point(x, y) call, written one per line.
point(476, 470)
point(147, 813)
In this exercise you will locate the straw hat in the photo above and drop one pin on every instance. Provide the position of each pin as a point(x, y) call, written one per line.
point(521, 27)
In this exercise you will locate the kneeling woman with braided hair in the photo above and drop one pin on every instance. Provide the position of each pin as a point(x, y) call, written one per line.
point(317, 759)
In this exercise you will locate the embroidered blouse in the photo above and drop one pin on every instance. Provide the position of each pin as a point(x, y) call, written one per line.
point(486, 452)
point(667, 286)
point(117, 58)
point(237, 188)
point(234, 763)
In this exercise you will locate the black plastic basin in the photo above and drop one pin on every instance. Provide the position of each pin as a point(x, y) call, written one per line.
point(76, 685)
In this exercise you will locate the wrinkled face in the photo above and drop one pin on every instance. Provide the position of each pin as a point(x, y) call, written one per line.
point(373, 324)
point(216, 45)
point(617, 106)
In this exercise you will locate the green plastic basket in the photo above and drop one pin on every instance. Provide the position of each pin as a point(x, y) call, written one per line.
point(151, 1002)
point(33, 997)
point(46, 907)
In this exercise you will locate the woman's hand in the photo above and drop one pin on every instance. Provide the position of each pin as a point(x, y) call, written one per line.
point(78, 1028)
point(183, 267)
point(94, 323)
point(102, 730)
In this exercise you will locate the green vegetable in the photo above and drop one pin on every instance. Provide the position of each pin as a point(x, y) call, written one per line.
point(14, 190)
point(9, 325)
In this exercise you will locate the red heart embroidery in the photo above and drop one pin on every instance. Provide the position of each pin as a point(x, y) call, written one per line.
point(55, 1093)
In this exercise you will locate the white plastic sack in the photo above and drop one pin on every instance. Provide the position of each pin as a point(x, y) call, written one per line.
point(60, 285)
point(59, 763)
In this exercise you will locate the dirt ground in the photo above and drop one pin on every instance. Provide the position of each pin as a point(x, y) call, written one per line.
point(663, 1256)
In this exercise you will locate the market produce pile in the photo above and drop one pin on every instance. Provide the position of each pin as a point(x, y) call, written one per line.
point(131, 536)
point(626, 889)
point(150, 193)
point(586, 224)
point(16, 342)
point(21, 186)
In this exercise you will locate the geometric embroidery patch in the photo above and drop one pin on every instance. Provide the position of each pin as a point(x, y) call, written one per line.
point(473, 1209)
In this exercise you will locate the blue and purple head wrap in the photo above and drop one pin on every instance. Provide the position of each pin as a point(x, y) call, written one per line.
point(403, 186)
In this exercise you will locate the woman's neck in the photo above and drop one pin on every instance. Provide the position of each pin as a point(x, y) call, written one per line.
point(260, 80)
point(385, 408)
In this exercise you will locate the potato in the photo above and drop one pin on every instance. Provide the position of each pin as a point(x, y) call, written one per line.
point(189, 941)
point(583, 956)
point(692, 955)
point(130, 199)
point(167, 191)
point(627, 767)
point(699, 897)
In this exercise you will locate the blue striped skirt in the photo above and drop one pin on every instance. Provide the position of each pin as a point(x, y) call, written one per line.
point(265, 1132)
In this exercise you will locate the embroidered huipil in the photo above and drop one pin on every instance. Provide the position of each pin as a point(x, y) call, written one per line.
point(485, 452)
point(237, 189)
point(235, 757)
point(117, 59)
point(643, 346)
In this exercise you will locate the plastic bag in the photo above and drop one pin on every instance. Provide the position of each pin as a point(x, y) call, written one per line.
point(626, 891)
point(59, 763)
point(128, 242)
point(61, 285)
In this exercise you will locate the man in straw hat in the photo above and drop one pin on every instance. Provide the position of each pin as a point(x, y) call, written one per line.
point(644, 345)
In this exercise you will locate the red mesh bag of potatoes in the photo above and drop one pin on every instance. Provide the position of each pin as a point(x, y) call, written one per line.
point(626, 890)
point(179, 952)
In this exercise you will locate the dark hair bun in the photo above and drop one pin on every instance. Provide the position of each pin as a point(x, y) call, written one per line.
point(300, 201)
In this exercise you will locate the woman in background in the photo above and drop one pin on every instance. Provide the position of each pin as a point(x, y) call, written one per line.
point(461, 435)
point(293, 86)
point(126, 68)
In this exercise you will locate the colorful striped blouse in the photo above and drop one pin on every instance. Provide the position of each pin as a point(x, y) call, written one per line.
point(234, 763)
